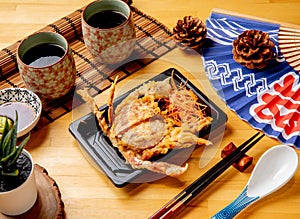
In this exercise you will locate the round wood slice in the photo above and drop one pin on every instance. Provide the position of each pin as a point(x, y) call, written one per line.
point(49, 203)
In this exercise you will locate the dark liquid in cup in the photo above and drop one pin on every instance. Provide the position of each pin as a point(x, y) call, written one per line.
point(106, 19)
point(43, 55)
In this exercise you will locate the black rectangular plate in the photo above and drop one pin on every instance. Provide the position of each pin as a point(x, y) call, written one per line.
point(106, 157)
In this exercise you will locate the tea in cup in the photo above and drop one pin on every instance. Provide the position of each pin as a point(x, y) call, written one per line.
point(108, 31)
point(46, 64)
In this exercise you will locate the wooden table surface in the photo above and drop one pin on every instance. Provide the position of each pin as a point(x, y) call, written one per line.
point(86, 192)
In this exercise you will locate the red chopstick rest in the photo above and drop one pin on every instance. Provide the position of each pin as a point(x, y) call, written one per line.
point(241, 164)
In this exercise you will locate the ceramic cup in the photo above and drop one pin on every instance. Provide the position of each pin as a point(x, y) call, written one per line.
point(112, 41)
point(46, 65)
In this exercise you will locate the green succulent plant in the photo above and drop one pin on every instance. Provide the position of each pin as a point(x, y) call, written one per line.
point(9, 151)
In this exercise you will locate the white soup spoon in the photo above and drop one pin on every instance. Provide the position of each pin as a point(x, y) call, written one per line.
point(273, 170)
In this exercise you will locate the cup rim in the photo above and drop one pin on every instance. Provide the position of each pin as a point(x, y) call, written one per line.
point(128, 18)
point(37, 33)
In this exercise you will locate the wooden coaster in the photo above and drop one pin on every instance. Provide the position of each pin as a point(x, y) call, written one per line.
point(49, 203)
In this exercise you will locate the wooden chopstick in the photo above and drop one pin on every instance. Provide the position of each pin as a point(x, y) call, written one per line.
point(179, 201)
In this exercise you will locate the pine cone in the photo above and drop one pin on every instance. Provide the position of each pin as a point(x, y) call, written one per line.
point(253, 49)
point(189, 32)
point(128, 2)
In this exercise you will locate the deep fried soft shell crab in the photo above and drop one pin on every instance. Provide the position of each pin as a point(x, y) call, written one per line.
point(151, 120)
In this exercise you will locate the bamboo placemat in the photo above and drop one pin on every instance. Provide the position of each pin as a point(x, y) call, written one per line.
point(153, 41)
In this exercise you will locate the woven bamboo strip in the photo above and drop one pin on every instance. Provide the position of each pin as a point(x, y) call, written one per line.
point(291, 46)
point(289, 35)
point(289, 53)
point(289, 41)
point(294, 59)
point(288, 30)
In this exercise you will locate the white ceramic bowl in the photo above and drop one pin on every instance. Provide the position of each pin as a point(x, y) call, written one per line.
point(26, 103)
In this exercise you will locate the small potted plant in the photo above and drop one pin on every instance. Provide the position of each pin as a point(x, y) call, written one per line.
point(18, 191)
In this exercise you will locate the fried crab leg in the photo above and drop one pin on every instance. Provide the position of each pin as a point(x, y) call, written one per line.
point(158, 167)
point(95, 109)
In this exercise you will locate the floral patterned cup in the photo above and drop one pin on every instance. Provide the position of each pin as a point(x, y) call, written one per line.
point(49, 73)
point(109, 45)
